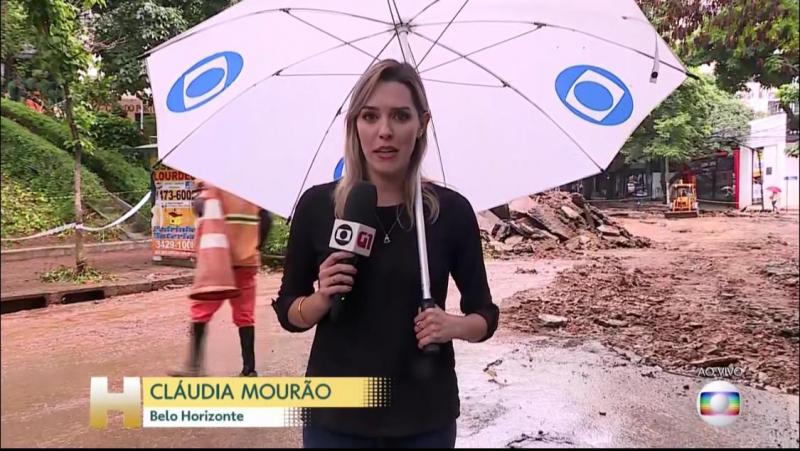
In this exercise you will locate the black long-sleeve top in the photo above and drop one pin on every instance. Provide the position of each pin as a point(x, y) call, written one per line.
point(375, 334)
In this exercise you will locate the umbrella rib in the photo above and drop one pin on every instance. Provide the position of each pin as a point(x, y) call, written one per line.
point(396, 32)
point(329, 34)
point(422, 11)
point(397, 10)
point(462, 83)
point(188, 34)
point(538, 27)
point(277, 73)
point(560, 27)
point(435, 136)
point(419, 63)
point(319, 75)
point(513, 88)
point(333, 121)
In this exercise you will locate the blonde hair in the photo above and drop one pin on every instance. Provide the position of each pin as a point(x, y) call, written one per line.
point(355, 164)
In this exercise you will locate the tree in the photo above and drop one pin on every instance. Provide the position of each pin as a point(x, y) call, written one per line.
point(698, 119)
point(65, 58)
point(125, 31)
point(749, 40)
point(789, 96)
point(129, 28)
point(15, 33)
point(746, 40)
point(14, 38)
point(676, 20)
point(753, 40)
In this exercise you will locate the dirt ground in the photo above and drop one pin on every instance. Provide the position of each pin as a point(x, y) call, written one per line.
point(711, 292)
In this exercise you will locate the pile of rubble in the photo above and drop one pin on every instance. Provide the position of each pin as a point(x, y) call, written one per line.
point(553, 223)
point(645, 314)
point(785, 272)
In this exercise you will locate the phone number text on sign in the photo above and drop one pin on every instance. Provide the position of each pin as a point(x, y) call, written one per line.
point(173, 195)
point(178, 245)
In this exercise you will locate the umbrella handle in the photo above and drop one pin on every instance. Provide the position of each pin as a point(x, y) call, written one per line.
point(422, 242)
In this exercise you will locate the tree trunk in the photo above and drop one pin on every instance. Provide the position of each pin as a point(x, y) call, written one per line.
point(790, 116)
point(80, 258)
point(665, 177)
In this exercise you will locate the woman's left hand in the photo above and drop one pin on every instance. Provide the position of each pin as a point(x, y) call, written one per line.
point(434, 326)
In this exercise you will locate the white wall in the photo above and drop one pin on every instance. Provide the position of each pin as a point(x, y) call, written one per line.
point(791, 189)
point(744, 177)
point(757, 97)
point(768, 134)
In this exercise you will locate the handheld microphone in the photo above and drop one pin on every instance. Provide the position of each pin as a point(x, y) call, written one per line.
point(352, 234)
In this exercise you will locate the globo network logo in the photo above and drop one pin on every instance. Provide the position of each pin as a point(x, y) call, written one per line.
point(204, 81)
point(595, 95)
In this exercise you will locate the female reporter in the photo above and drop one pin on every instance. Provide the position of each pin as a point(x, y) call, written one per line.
point(382, 332)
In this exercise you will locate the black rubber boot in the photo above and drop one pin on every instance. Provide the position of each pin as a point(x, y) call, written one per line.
point(194, 366)
point(247, 339)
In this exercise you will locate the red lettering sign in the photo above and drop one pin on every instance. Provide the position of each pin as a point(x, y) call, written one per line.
point(171, 176)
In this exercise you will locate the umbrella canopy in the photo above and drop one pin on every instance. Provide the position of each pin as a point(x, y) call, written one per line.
point(774, 189)
point(524, 95)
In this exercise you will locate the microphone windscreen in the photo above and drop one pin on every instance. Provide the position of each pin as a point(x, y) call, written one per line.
point(360, 204)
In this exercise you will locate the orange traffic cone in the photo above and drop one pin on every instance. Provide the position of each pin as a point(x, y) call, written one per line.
point(213, 277)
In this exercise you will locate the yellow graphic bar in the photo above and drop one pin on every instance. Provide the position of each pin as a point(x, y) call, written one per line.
point(211, 392)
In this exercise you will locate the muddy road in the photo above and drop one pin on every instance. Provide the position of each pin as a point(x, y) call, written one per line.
point(527, 387)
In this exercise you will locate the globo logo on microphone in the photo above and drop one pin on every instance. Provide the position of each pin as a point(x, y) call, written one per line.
point(352, 237)
point(343, 234)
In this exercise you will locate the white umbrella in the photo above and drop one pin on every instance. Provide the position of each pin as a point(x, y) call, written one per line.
point(524, 95)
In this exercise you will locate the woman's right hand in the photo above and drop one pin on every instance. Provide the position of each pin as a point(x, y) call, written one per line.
point(334, 276)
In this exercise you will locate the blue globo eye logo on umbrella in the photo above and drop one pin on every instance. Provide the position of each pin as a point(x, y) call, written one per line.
point(595, 95)
point(205, 80)
point(339, 170)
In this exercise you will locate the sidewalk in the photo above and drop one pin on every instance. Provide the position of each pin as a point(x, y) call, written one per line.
point(132, 270)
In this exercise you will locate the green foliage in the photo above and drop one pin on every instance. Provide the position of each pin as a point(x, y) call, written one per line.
point(53, 131)
point(129, 28)
point(15, 33)
point(45, 171)
point(126, 30)
point(277, 239)
point(196, 11)
point(24, 210)
point(67, 274)
point(675, 20)
point(58, 39)
point(697, 119)
point(793, 150)
point(118, 174)
point(114, 132)
point(789, 97)
point(749, 40)
point(789, 93)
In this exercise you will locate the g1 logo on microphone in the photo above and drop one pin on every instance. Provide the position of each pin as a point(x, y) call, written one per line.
point(365, 240)
point(595, 95)
point(204, 81)
point(343, 234)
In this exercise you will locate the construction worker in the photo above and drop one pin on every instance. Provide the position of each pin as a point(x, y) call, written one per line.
point(247, 226)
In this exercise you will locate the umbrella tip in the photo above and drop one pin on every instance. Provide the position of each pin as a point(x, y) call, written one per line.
point(653, 76)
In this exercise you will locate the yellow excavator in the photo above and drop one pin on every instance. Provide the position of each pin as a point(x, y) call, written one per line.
point(684, 201)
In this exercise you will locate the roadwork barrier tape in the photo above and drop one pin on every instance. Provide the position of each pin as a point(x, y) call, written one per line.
point(73, 225)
